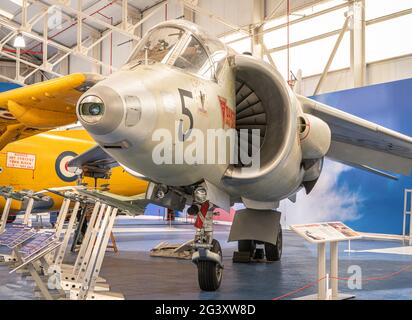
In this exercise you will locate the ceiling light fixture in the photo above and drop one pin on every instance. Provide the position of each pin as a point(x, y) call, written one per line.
point(19, 41)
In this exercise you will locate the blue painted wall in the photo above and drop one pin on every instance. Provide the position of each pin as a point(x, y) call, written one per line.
point(5, 86)
point(390, 105)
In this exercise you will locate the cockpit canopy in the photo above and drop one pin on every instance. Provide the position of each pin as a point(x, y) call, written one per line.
point(183, 45)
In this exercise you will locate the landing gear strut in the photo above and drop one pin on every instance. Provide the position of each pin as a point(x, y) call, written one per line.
point(208, 253)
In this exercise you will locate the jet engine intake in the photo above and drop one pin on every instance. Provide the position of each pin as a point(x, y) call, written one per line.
point(264, 101)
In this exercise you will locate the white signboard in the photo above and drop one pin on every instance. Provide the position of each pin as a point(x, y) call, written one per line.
point(325, 232)
point(21, 160)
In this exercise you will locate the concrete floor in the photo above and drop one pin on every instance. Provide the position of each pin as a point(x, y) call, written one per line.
point(138, 276)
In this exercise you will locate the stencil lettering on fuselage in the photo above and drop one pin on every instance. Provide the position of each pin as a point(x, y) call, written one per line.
point(228, 115)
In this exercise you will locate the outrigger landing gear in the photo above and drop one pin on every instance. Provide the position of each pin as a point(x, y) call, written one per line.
point(248, 251)
point(259, 235)
point(273, 252)
point(208, 253)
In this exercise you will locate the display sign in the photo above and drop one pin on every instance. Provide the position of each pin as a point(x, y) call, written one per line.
point(21, 160)
point(325, 232)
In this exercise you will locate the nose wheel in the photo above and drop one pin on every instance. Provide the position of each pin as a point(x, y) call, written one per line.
point(210, 273)
point(208, 252)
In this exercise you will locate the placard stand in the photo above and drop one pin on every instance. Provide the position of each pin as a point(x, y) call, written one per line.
point(34, 261)
point(71, 275)
point(31, 266)
point(61, 218)
point(324, 291)
point(88, 276)
point(6, 258)
point(5, 214)
point(27, 213)
point(58, 259)
point(42, 253)
point(321, 234)
point(82, 281)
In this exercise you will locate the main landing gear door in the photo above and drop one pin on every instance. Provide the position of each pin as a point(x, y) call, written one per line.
point(260, 225)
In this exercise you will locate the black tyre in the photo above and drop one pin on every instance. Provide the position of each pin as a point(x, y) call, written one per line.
point(259, 254)
point(247, 246)
point(274, 252)
point(210, 273)
point(11, 218)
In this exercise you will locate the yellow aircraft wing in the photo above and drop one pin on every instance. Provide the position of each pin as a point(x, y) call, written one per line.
point(42, 106)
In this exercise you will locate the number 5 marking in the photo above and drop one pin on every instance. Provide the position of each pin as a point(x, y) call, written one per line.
point(186, 112)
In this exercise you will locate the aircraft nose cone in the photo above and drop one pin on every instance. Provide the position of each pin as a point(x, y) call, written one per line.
point(100, 110)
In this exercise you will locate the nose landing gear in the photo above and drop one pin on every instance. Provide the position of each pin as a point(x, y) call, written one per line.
point(208, 253)
point(210, 272)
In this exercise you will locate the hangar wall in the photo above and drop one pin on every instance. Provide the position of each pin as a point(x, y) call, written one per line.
point(377, 202)
point(377, 72)
point(240, 13)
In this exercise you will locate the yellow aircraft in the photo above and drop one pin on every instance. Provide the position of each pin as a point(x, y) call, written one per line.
point(39, 162)
point(34, 158)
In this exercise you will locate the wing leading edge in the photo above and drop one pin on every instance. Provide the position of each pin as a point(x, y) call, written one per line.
point(362, 143)
point(43, 106)
point(93, 163)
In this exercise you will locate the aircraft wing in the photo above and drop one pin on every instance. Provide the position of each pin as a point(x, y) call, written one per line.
point(93, 163)
point(134, 205)
point(43, 106)
point(360, 143)
point(129, 205)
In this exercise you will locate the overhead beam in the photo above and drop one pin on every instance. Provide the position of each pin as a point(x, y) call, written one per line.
point(20, 60)
point(33, 35)
point(283, 25)
point(147, 17)
point(357, 43)
point(11, 80)
point(258, 16)
point(48, 7)
point(125, 8)
point(332, 55)
point(200, 10)
point(95, 20)
point(188, 13)
point(79, 25)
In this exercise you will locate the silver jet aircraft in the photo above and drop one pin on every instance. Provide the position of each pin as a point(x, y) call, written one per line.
point(209, 128)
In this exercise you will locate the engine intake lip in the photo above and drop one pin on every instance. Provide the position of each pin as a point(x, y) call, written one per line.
point(268, 84)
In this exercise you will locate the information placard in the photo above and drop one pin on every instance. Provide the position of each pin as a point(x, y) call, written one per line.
point(21, 160)
point(325, 232)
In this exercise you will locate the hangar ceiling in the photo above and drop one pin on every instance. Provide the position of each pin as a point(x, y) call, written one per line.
point(54, 39)
point(59, 40)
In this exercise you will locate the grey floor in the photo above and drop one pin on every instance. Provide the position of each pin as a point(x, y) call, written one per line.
point(138, 276)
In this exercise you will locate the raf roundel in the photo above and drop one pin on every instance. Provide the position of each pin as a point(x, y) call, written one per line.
point(61, 166)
